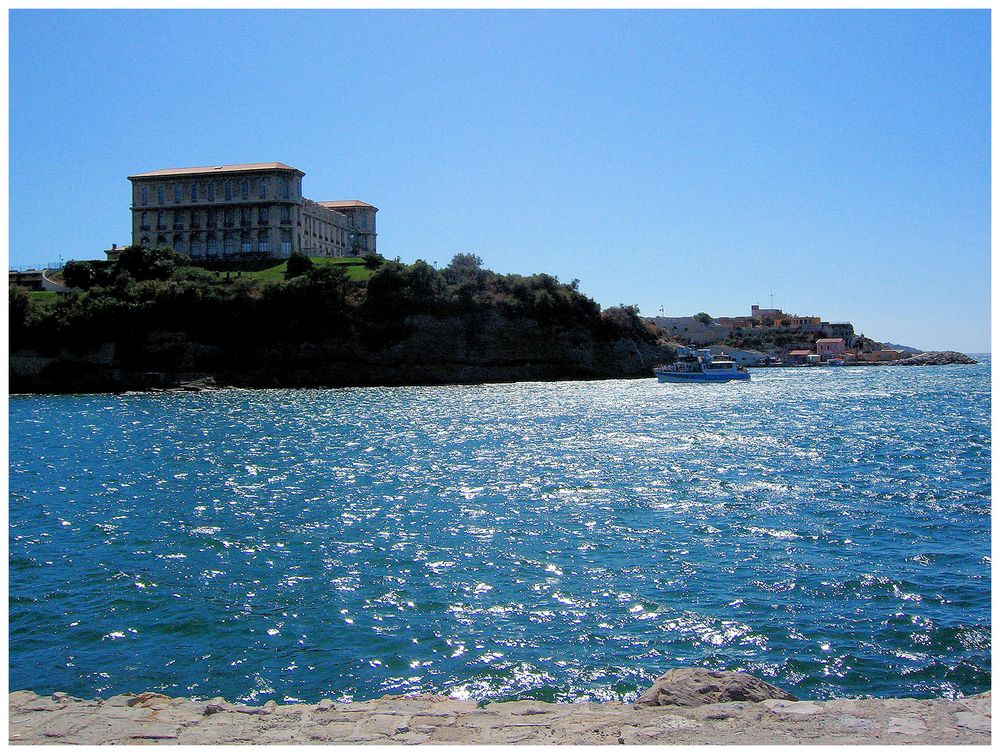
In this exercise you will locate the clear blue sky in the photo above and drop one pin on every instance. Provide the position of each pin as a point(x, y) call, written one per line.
point(697, 160)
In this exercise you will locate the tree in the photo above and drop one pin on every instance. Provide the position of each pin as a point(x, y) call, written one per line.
point(79, 274)
point(705, 319)
point(298, 264)
point(149, 264)
point(373, 260)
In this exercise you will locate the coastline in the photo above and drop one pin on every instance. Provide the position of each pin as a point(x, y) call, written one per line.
point(104, 380)
point(154, 718)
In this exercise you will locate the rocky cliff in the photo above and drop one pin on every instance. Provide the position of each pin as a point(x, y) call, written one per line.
point(421, 350)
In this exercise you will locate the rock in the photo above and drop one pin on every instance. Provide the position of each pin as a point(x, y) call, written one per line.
point(691, 687)
point(936, 358)
point(973, 721)
point(146, 698)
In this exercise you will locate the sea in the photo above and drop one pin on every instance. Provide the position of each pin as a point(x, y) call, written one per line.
point(827, 530)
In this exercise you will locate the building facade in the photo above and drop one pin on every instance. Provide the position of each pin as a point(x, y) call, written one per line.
point(257, 208)
point(830, 348)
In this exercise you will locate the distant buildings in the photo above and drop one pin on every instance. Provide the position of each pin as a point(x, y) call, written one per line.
point(696, 330)
point(257, 208)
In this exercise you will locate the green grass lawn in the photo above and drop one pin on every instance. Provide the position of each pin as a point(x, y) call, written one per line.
point(354, 266)
point(44, 299)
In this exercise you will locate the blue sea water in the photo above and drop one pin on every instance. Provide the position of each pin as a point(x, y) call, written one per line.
point(825, 529)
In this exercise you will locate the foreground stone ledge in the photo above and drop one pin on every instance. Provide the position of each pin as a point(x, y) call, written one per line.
point(152, 718)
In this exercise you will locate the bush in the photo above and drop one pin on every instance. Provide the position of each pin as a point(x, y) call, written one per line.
point(79, 275)
point(297, 264)
point(149, 264)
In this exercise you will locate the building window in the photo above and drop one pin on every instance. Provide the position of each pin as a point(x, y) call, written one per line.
point(245, 245)
point(227, 217)
point(262, 245)
point(194, 192)
point(161, 220)
point(262, 214)
point(195, 219)
point(178, 223)
point(228, 244)
point(261, 189)
point(144, 220)
point(286, 188)
point(244, 189)
point(286, 242)
point(286, 213)
point(161, 242)
point(228, 189)
point(197, 249)
point(245, 217)
point(210, 222)
point(213, 245)
point(144, 195)
point(159, 195)
point(178, 243)
point(177, 193)
point(144, 241)
point(211, 191)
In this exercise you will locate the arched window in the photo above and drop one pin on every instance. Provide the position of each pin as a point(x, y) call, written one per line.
point(245, 245)
point(177, 193)
point(213, 245)
point(159, 195)
point(144, 220)
point(262, 216)
point(161, 220)
point(286, 188)
point(195, 218)
point(228, 244)
point(197, 249)
point(178, 243)
point(286, 242)
point(245, 217)
point(144, 194)
point(161, 242)
point(244, 189)
point(211, 191)
point(228, 188)
point(262, 245)
point(286, 213)
point(261, 189)
point(194, 192)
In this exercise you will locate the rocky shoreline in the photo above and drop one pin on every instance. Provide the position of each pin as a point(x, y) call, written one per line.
point(149, 718)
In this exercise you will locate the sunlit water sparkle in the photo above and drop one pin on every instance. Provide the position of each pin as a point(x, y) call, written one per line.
point(825, 529)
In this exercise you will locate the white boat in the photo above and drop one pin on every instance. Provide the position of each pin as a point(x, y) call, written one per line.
point(699, 366)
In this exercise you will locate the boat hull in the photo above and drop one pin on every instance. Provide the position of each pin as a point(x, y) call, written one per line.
point(679, 377)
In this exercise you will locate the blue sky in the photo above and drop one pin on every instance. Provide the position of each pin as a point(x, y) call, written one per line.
point(694, 160)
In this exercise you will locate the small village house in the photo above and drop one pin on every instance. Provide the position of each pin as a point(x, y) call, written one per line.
point(830, 348)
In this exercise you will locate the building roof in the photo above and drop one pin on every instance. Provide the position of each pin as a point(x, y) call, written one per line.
point(216, 169)
point(799, 353)
point(829, 340)
point(346, 203)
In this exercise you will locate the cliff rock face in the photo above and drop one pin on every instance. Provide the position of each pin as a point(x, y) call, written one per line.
point(691, 687)
point(422, 350)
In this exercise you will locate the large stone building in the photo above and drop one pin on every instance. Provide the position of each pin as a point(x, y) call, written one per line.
point(244, 209)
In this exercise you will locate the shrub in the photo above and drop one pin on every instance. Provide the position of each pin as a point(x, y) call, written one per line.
point(79, 274)
point(297, 264)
